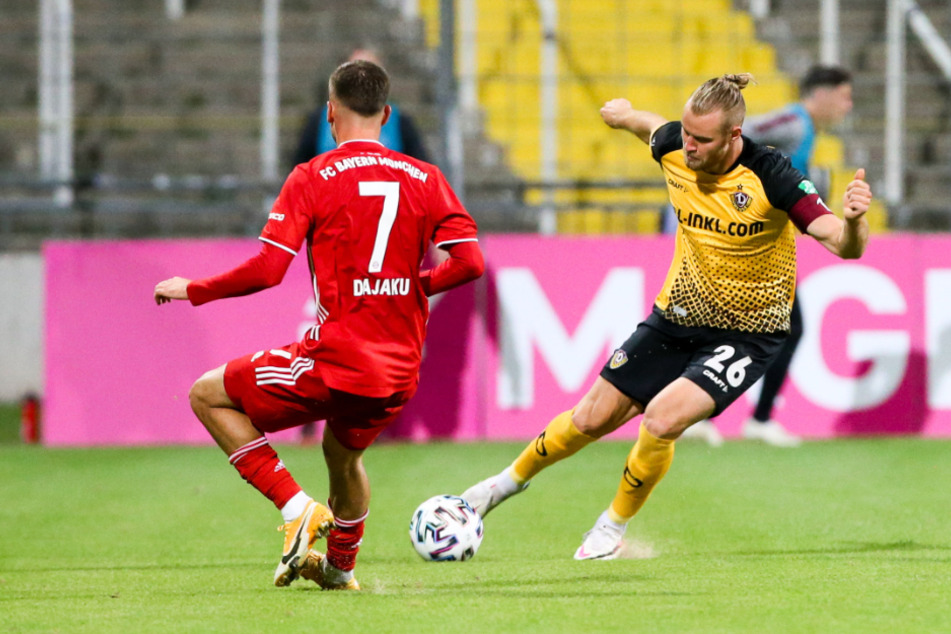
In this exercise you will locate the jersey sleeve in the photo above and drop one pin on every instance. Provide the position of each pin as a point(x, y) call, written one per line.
point(291, 216)
point(464, 264)
point(264, 270)
point(452, 222)
point(666, 139)
point(789, 190)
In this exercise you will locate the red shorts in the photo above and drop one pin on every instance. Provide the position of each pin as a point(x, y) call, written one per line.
point(283, 388)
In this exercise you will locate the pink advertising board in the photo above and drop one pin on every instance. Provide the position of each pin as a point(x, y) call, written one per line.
point(875, 357)
point(503, 355)
point(118, 367)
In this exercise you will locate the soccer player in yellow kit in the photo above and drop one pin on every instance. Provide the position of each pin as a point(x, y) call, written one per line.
point(723, 311)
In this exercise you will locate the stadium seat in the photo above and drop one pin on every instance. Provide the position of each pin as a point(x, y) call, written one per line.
point(654, 55)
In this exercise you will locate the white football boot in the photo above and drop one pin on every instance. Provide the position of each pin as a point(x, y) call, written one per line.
point(704, 430)
point(486, 495)
point(604, 541)
point(771, 432)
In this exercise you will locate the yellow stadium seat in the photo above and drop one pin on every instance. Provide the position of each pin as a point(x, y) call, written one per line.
point(770, 92)
point(828, 151)
point(757, 58)
point(652, 52)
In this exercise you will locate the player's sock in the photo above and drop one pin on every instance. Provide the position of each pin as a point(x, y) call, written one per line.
point(507, 482)
point(559, 440)
point(295, 506)
point(646, 465)
point(260, 467)
point(343, 542)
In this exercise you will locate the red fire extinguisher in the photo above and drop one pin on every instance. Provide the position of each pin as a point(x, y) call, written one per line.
point(30, 419)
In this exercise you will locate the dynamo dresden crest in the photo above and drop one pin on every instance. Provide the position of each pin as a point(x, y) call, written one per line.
point(618, 359)
point(741, 200)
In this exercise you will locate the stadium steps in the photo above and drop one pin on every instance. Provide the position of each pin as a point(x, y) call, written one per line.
point(794, 29)
point(18, 67)
point(655, 56)
point(182, 98)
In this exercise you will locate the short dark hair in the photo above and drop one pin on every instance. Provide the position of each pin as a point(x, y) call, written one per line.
point(361, 86)
point(819, 76)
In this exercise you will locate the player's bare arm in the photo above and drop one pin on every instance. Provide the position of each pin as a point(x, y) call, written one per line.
point(846, 237)
point(620, 115)
point(172, 288)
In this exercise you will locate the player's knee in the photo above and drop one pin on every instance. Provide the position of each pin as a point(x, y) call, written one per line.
point(660, 429)
point(583, 419)
point(661, 426)
point(603, 409)
point(201, 394)
point(195, 396)
point(593, 419)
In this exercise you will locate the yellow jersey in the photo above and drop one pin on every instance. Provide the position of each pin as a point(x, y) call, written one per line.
point(734, 264)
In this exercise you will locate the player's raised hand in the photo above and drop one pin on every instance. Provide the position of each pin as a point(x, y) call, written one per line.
point(616, 112)
point(858, 196)
point(172, 288)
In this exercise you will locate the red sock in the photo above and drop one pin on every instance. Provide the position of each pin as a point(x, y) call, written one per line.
point(343, 543)
point(259, 465)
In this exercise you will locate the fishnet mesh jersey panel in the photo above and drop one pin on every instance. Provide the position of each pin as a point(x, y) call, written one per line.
point(751, 293)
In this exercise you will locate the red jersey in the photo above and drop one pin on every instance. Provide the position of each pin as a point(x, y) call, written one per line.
point(367, 215)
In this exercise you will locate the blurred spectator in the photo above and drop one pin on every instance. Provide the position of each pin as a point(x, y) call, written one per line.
point(399, 134)
point(825, 98)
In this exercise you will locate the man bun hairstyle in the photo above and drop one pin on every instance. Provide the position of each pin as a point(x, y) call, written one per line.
point(361, 86)
point(820, 76)
point(722, 93)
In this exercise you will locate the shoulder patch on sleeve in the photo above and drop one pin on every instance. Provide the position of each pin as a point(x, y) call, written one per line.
point(666, 139)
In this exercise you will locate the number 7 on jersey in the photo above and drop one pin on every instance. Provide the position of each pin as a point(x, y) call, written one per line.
point(391, 201)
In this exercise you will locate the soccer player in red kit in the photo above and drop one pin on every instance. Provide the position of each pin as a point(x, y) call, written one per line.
point(367, 215)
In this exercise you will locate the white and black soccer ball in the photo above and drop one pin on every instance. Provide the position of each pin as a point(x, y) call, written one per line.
point(445, 528)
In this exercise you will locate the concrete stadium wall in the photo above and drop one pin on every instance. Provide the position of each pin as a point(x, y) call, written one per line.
point(21, 325)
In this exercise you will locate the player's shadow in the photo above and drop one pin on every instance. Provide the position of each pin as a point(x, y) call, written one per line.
point(851, 548)
point(589, 583)
point(461, 326)
point(905, 413)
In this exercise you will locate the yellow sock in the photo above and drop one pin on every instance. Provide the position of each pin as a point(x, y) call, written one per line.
point(646, 465)
point(559, 440)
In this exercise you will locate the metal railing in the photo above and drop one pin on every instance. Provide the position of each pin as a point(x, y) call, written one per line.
point(901, 14)
point(197, 206)
point(56, 95)
point(56, 186)
point(901, 18)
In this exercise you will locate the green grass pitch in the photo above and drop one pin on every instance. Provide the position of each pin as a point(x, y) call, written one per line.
point(841, 536)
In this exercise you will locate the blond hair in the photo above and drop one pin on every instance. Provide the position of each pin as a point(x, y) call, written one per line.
point(722, 93)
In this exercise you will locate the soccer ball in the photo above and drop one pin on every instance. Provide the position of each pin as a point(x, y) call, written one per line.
point(445, 528)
